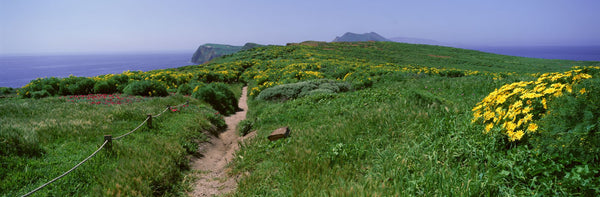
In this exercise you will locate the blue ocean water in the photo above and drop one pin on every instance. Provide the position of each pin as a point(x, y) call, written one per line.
point(579, 53)
point(17, 71)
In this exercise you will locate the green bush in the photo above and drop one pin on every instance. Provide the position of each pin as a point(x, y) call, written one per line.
point(300, 89)
point(6, 91)
point(75, 86)
point(184, 89)
point(563, 157)
point(146, 88)
point(452, 73)
point(219, 96)
point(245, 126)
point(122, 81)
point(570, 140)
point(317, 91)
point(43, 86)
point(217, 120)
point(106, 87)
point(83, 86)
point(40, 94)
point(360, 80)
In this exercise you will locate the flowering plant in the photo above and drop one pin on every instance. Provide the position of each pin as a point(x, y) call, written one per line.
point(513, 109)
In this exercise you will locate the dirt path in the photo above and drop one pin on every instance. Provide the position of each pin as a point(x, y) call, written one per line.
point(213, 179)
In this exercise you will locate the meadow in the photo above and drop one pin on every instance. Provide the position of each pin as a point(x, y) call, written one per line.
point(367, 119)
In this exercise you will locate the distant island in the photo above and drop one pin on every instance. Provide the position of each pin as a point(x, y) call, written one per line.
point(372, 36)
point(354, 37)
point(207, 52)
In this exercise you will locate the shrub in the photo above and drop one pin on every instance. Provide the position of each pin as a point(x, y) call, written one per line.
point(6, 91)
point(219, 96)
point(49, 85)
point(40, 94)
point(75, 85)
point(317, 91)
point(559, 155)
point(570, 139)
point(300, 89)
point(245, 126)
point(106, 87)
point(146, 88)
point(513, 108)
point(359, 80)
point(83, 86)
point(217, 120)
point(184, 89)
point(452, 73)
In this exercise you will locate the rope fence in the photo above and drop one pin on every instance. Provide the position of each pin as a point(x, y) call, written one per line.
point(107, 142)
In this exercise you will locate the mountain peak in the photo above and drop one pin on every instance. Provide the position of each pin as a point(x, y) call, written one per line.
point(354, 37)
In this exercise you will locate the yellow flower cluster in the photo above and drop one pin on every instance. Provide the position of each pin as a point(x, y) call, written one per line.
point(512, 109)
point(280, 71)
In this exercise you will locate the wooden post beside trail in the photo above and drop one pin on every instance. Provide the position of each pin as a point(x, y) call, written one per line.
point(149, 121)
point(109, 143)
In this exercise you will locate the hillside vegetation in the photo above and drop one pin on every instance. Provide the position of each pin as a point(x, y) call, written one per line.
point(368, 119)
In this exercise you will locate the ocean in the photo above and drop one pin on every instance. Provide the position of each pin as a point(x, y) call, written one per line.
point(17, 71)
point(579, 53)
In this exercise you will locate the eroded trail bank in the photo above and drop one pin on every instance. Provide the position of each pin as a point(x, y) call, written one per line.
point(213, 179)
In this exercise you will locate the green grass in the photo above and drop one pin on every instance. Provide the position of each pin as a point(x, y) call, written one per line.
point(405, 54)
point(60, 134)
point(404, 129)
point(407, 133)
point(379, 141)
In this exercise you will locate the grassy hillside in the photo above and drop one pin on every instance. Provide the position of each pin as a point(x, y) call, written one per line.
point(407, 128)
point(367, 118)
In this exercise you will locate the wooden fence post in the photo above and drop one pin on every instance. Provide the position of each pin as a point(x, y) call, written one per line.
point(149, 121)
point(109, 143)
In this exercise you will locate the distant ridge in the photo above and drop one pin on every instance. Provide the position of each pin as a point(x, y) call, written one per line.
point(418, 41)
point(353, 37)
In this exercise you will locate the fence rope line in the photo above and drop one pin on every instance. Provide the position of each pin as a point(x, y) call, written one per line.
point(102, 146)
point(156, 116)
point(126, 134)
point(64, 174)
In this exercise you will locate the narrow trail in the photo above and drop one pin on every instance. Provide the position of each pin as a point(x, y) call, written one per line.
point(213, 179)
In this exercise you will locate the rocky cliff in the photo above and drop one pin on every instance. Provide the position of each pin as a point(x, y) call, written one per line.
point(206, 52)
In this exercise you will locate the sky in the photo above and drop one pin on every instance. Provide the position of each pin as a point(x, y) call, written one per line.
point(107, 26)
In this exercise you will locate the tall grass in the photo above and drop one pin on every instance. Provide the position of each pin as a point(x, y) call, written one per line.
point(408, 136)
point(43, 138)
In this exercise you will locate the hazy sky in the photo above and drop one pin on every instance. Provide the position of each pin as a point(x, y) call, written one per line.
point(78, 26)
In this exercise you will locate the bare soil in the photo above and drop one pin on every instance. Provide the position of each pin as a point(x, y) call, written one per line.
point(213, 179)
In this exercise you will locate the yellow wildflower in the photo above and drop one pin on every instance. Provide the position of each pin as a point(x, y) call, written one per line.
point(526, 109)
point(518, 135)
point(488, 115)
point(527, 118)
point(544, 103)
point(510, 126)
point(489, 127)
point(532, 127)
point(582, 91)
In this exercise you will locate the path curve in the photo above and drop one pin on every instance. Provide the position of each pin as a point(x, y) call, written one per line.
point(213, 179)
